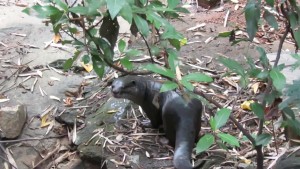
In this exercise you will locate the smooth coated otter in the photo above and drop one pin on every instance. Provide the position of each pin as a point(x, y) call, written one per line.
point(180, 117)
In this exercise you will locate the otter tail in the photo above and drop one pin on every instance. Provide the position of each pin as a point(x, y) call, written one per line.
point(183, 149)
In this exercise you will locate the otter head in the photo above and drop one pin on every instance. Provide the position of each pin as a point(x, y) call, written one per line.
point(129, 87)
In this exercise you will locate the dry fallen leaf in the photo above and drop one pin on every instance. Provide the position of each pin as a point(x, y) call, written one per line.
point(119, 138)
point(236, 7)
point(44, 122)
point(147, 154)
point(3, 100)
point(245, 160)
point(255, 87)
point(56, 38)
point(246, 105)
point(68, 102)
point(54, 78)
point(54, 98)
point(88, 67)
point(74, 136)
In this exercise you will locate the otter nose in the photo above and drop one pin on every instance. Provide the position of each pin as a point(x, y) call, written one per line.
point(115, 87)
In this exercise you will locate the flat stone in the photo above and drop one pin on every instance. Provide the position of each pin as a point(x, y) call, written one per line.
point(12, 120)
point(286, 59)
point(109, 114)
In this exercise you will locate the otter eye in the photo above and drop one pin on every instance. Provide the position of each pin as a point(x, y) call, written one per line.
point(133, 82)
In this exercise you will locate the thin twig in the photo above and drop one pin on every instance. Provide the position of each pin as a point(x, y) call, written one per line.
point(30, 139)
point(48, 156)
point(148, 47)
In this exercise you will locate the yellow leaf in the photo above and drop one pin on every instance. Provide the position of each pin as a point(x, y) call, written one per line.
point(56, 38)
point(183, 41)
point(88, 67)
point(44, 122)
point(246, 105)
point(245, 160)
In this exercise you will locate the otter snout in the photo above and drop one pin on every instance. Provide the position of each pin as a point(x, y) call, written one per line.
point(116, 88)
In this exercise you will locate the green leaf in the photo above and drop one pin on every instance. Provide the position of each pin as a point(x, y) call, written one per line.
point(168, 85)
point(155, 50)
point(126, 13)
point(238, 41)
point(126, 63)
point(221, 145)
point(222, 117)
point(57, 20)
point(296, 64)
point(278, 79)
point(171, 33)
point(227, 138)
point(232, 65)
point(79, 10)
point(175, 43)
point(172, 59)
point(213, 123)
point(27, 11)
point(245, 138)
point(173, 3)
point(68, 64)
point(142, 25)
point(98, 65)
point(292, 16)
point(204, 143)
point(289, 113)
point(270, 2)
point(224, 34)
point(187, 85)
point(143, 2)
point(154, 18)
point(86, 59)
point(291, 95)
point(93, 31)
point(270, 18)
point(263, 139)
point(61, 4)
point(105, 47)
point(121, 45)
point(73, 30)
point(244, 81)
point(258, 110)
point(160, 70)
point(45, 11)
point(294, 124)
point(181, 10)
point(114, 7)
point(197, 77)
point(252, 14)
point(93, 7)
point(133, 53)
point(263, 75)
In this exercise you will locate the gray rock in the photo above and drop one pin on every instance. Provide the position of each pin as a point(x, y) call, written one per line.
point(68, 118)
point(112, 111)
point(286, 59)
point(12, 120)
point(91, 153)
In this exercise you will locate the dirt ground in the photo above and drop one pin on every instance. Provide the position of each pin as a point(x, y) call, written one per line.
point(24, 38)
